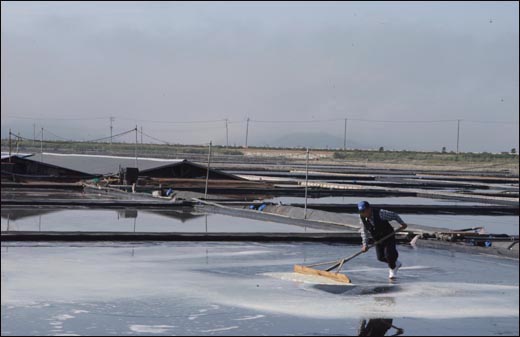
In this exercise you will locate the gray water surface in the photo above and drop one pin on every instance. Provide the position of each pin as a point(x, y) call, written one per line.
point(248, 289)
point(131, 220)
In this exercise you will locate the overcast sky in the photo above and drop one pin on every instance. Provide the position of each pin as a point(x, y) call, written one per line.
point(152, 63)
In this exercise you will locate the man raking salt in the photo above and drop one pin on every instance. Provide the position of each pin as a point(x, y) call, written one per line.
point(377, 222)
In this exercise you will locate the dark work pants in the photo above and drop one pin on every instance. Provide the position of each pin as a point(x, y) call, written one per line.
point(387, 252)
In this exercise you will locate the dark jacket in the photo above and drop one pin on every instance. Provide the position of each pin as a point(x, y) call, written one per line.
point(379, 228)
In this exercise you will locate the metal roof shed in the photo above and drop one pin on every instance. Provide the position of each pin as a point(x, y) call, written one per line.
point(186, 169)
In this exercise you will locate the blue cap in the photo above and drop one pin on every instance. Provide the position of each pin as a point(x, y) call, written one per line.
point(362, 205)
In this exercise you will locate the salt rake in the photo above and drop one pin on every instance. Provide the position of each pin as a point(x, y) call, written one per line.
point(308, 270)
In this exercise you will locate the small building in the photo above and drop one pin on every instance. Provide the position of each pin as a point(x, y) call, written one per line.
point(186, 170)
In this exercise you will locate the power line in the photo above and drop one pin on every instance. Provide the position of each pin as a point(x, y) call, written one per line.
point(44, 141)
point(491, 122)
point(122, 118)
point(174, 122)
point(104, 138)
point(268, 121)
point(194, 126)
point(295, 121)
point(404, 121)
point(55, 118)
point(156, 139)
point(69, 140)
point(55, 135)
point(353, 119)
point(381, 121)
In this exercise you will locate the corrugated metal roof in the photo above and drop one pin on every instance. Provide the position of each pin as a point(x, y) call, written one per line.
point(19, 155)
point(186, 169)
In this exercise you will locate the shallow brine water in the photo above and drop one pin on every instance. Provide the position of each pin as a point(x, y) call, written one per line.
point(249, 289)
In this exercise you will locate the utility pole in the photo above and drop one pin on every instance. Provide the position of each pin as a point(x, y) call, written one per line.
point(458, 134)
point(34, 133)
point(306, 182)
point(247, 130)
point(111, 127)
point(18, 141)
point(207, 173)
point(345, 136)
point(10, 145)
point(135, 150)
point(227, 138)
point(41, 148)
point(141, 135)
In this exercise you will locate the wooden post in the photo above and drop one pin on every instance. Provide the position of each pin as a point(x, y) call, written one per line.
point(17, 142)
point(227, 134)
point(306, 183)
point(345, 136)
point(41, 148)
point(207, 173)
point(10, 145)
point(135, 150)
point(247, 131)
point(111, 127)
point(458, 135)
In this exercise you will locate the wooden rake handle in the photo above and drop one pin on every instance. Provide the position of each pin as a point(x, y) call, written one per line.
point(340, 263)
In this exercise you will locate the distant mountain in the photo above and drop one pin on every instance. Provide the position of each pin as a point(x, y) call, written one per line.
point(313, 140)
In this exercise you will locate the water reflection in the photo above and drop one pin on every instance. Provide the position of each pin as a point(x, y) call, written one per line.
point(134, 220)
point(378, 327)
point(18, 214)
point(26, 219)
point(337, 289)
point(124, 213)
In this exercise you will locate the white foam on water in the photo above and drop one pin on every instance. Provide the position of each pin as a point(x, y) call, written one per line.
point(26, 303)
point(202, 313)
point(249, 318)
point(80, 311)
point(441, 300)
point(109, 275)
point(195, 316)
point(220, 329)
point(184, 256)
point(385, 269)
point(63, 317)
point(150, 328)
point(247, 252)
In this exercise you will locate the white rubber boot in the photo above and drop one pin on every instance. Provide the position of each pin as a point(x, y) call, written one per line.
point(393, 272)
